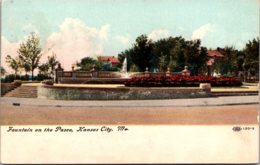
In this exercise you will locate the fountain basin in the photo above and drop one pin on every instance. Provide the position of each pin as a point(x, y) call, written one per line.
point(118, 93)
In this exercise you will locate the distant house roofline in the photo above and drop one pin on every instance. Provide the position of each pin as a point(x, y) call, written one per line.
point(215, 53)
point(212, 54)
point(111, 59)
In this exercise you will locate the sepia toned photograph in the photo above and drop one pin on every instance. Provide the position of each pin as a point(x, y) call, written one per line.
point(129, 81)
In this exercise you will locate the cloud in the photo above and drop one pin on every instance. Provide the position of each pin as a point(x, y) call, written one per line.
point(3, 1)
point(8, 48)
point(75, 40)
point(240, 45)
point(72, 42)
point(30, 28)
point(181, 28)
point(202, 31)
point(122, 39)
point(159, 34)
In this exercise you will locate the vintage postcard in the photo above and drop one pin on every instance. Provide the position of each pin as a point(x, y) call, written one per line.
point(129, 81)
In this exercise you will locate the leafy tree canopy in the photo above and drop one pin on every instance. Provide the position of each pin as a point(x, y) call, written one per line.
point(170, 52)
point(14, 63)
point(30, 52)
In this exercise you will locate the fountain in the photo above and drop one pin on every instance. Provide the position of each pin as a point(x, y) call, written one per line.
point(106, 85)
point(124, 69)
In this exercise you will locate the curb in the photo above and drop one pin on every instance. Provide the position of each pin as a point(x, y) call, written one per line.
point(134, 106)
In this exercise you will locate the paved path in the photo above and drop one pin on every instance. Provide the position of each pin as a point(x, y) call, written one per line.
point(220, 115)
point(206, 111)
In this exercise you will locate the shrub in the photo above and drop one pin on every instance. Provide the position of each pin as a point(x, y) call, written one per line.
point(48, 82)
point(179, 80)
point(17, 83)
point(25, 77)
point(10, 78)
point(41, 77)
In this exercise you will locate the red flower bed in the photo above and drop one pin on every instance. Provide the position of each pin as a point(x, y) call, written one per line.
point(179, 80)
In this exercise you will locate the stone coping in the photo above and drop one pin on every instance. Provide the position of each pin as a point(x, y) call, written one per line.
point(213, 89)
point(236, 89)
point(121, 87)
point(80, 80)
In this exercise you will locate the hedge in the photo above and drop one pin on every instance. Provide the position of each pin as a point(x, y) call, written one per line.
point(182, 81)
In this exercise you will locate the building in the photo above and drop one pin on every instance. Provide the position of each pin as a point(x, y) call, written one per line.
point(213, 56)
point(109, 60)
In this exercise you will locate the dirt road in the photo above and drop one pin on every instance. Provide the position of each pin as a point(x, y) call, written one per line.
point(51, 115)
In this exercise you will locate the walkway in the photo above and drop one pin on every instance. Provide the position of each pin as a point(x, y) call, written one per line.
point(213, 101)
point(203, 111)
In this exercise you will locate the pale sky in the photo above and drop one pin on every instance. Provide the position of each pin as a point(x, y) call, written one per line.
point(74, 29)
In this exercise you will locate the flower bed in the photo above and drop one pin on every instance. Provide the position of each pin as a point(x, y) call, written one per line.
point(182, 81)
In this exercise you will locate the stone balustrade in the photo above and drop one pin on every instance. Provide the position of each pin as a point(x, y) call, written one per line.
point(84, 76)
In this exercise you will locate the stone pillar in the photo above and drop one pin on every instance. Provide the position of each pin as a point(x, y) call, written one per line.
point(206, 87)
point(74, 74)
point(58, 73)
point(93, 71)
point(186, 72)
point(146, 73)
point(168, 73)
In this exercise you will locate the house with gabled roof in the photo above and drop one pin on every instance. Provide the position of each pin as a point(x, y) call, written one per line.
point(109, 60)
point(213, 56)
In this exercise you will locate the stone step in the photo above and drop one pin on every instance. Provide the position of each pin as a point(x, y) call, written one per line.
point(23, 92)
point(246, 93)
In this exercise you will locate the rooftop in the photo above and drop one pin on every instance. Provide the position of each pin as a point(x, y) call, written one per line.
point(111, 59)
point(214, 53)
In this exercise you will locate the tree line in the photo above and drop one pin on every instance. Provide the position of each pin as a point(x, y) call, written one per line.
point(172, 52)
point(28, 59)
point(176, 52)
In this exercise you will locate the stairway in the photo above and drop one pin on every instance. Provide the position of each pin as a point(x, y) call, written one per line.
point(23, 92)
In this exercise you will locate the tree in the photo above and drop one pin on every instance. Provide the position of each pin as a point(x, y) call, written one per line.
point(175, 53)
point(3, 71)
point(43, 69)
point(176, 48)
point(30, 52)
point(172, 52)
point(230, 64)
point(201, 61)
point(142, 55)
point(87, 63)
point(196, 56)
point(14, 63)
point(163, 62)
point(251, 58)
point(25, 66)
point(52, 63)
point(99, 65)
point(166, 52)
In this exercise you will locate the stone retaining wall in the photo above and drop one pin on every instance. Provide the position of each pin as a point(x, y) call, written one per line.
point(6, 87)
point(124, 93)
point(68, 80)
